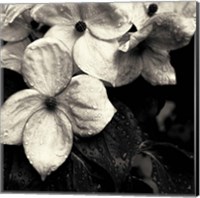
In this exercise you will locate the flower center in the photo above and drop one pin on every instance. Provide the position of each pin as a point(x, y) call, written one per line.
point(50, 103)
point(80, 26)
point(152, 9)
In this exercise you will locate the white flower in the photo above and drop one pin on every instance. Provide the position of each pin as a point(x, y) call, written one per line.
point(45, 117)
point(144, 52)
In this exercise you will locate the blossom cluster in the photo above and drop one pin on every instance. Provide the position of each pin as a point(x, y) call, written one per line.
point(67, 53)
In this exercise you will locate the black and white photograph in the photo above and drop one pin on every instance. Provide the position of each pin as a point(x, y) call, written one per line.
point(99, 98)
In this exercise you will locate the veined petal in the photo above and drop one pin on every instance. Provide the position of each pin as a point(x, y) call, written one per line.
point(157, 68)
point(102, 60)
point(14, 11)
point(131, 40)
point(67, 34)
point(47, 140)
point(47, 66)
point(104, 20)
point(176, 31)
point(12, 54)
point(15, 112)
point(56, 14)
point(136, 12)
point(87, 104)
point(15, 31)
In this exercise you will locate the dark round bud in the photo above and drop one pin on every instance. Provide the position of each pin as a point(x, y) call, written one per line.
point(50, 103)
point(152, 9)
point(80, 26)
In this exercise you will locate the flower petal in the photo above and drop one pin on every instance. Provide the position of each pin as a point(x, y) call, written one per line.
point(12, 54)
point(15, 113)
point(86, 102)
point(104, 20)
point(56, 14)
point(176, 31)
point(14, 11)
point(136, 11)
point(131, 40)
point(47, 66)
point(157, 68)
point(16, 31)
point(102, 60)
point(66, 34)
point(47, 141)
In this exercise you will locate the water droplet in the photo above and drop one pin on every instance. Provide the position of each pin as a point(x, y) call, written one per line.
point(124, 156)
point(94, 107)
point(28, 157)
point(5, 133)
point(31, 162)
point(119, 25)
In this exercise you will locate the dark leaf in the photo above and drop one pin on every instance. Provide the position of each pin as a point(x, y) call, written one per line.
point(135, 185)
point(22, 176)
point(114, 147)
point(173, 169)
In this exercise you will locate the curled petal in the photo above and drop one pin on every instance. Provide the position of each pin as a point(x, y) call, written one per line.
point(104, 20)
point(15, 31)
point(66, 34)
point(47, 66)
point(131, 40)
point(102, 60)
point(157, 68)
point(12, 54)
point(15, 113)
point(47, 141)
point(86, 102)
point(136, 12)
point(56, 14)
point(14, 11)
point(176, 31)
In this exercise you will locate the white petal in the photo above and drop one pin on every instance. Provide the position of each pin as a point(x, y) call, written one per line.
point(136, 11)
point(47, 65)
point(56, 14)
point(157, 68)
point(102, 60)
point(47, 140)
point(67, 34)
point(15, 112)
point(15, 31)
point(104, 20)
point(14, 11)
point(12, 54)
point(176, 31)
point(86, 102)
point(131, 40)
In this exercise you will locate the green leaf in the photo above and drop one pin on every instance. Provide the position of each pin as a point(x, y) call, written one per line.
point(114, 147)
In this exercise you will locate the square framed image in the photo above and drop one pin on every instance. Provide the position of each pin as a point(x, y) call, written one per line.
point(100, 98)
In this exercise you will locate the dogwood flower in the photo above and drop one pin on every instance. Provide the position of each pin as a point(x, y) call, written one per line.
point(44, 117)
point(145, 51)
